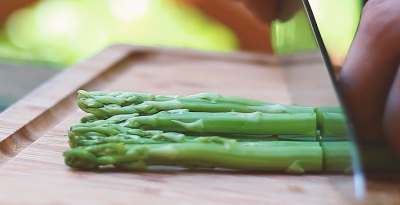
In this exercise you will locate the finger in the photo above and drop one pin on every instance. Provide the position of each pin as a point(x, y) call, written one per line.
point(269, 10)
point(265, 10)
point(392, 115)
point(287, 8)
point(371, 65)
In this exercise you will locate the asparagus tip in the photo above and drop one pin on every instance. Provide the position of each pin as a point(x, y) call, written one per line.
point(80, 158)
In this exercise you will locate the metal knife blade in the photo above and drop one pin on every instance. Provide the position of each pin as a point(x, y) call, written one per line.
point(297, 42)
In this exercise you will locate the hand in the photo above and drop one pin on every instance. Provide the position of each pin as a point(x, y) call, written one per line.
point(269, 10)
point(370, 77)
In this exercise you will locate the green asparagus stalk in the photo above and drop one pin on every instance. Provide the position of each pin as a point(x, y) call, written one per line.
point(107, 128)
point(374, 157)
point(268, 144)
point(161, 138)
point(152, 107)
point(332, 124)
point(237, 137)
point(117, 119)
point(90, 118)
point(326, 109)
point(127, 103)
point(96, 131)
point(134, 130)
point(101, 129)
point(337, 156)
point(291, 159)
point(180, 138)
point(108, 111)
point(202, 103)
point(98, 98)
point(93, 135)
point(239, 123)
point(77, 134)
point(88, 134)
point(79, 141)
point(329, 109)
point(253, 104)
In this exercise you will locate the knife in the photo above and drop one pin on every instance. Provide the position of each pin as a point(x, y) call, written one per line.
point(298, 41)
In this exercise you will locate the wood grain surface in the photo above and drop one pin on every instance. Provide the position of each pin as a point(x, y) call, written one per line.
point(33, 136)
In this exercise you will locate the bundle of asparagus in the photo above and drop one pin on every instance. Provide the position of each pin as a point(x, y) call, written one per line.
point(133, 130)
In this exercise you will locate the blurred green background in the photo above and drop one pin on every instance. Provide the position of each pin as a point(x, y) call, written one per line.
point(46, 37)
point(63, 32)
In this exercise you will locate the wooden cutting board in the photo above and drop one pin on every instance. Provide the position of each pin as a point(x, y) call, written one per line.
point(33, 135)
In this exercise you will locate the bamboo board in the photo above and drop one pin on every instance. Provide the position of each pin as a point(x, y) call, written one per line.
point(33, 135)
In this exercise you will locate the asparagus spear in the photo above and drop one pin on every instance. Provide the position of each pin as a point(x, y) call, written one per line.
point(329, 109)
point(240, 123)
point(152, 107)
point(268, 144)
point(108, 111)
point(336, 156)
point(97, 138)
point(109, 129)
point(114, 125)
point(85, 136)
point(326, 109)
point(105, 128)
point(90, 118)
point(97, 130)
point(333, 124)
point(79, 141)
point(98, 98)
point(166, 137)
point(126, 103)
point(253, 104)
point(238, 137)
point(78, 133)
point(291, 159)
point(216, 131)
point(374, 157)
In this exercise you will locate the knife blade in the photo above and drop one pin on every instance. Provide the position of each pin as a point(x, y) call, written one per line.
point(297, 41)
